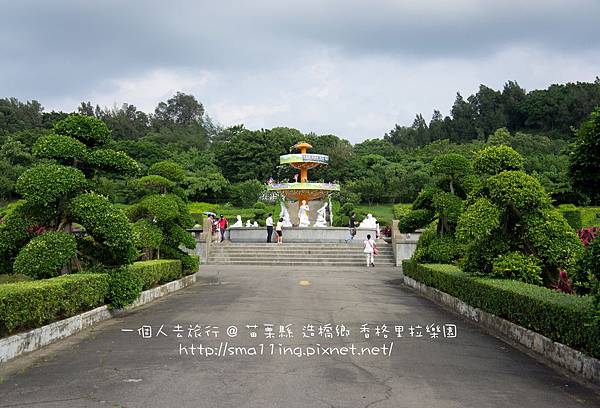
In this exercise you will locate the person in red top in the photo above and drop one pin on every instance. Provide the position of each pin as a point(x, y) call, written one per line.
point(222, 226)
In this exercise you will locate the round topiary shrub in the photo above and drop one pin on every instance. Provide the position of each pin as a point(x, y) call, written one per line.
point(496, 159)
point(62, 148)
point(415, 220)
point(168, 170)
point(106, 223)
point(45, 255)
point(46, 184)
point(87, 129)
point(114, 161)
point(553, 241)
point(433, 248)
point(478, 221)
point(146, 235)
point(155, 182)
point(124, 288)
point(518, 266)
point(163, 208)
point(518, 190)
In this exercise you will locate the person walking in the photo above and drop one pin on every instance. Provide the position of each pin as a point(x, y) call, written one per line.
point(370, 250)
point(222, 226)
point(352, 227)
point(269, 223)
point(279, 231)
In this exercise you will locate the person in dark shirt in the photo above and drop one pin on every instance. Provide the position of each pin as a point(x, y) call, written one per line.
point(352, 227)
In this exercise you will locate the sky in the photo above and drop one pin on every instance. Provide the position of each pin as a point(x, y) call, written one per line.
point(345, 67)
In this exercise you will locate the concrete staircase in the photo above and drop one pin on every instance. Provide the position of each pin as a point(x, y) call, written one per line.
point(291, 254)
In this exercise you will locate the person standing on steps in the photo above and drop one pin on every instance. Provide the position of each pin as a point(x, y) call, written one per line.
point(269, 223)
point(279, 231)
point(222, 226)
point(352, 227)
point(369, 250)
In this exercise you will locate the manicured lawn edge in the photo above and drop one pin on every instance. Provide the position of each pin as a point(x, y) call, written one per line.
point(489, 302)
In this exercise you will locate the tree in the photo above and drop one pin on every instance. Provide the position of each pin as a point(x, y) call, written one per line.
point(585, 158)
point(55, 198)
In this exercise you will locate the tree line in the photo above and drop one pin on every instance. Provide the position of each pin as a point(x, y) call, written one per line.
point(232, 164)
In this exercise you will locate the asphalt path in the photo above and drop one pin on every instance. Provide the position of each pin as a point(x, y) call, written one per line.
point(283, 337)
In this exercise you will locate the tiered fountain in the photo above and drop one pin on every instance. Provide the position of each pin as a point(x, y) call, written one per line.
point(304, 192)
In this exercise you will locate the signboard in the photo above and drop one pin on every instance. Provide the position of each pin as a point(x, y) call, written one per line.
point(303, 158)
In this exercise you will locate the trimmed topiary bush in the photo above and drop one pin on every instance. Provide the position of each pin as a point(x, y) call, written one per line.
point(46, 184)
point(478, 222)
point(155, 182)
point(26, 305)
point(113, 161)
point(157, 271)
point(45, 255)
point(146, 235)
point(125, 286)
point(87, 129)
point(515, 265)
point(167, 169)
point(106, 224)
point(434, 248)
point(496, 159)
point(518, 190)
point(414, 220)
point(62, 148)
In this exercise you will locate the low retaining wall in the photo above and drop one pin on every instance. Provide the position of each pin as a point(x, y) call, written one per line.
point(18, 344)
point(298, 234)
point(551, 352)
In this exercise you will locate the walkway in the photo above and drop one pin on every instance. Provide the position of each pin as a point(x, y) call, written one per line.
point(107, 366)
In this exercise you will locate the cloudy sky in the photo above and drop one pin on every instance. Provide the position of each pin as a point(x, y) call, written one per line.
point(348, 67)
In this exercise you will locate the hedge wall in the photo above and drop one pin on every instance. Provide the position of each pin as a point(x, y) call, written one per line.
point(157, 271)
point(567, 319)
point(26, 305)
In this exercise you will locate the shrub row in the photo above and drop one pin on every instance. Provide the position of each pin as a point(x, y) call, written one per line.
point(29, 304)
point(26, 305)
point(157, 271)
point(567, 319)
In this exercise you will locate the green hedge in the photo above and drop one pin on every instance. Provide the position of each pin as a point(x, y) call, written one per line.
point(567, 319)
point(157, 271)
point(26, 305)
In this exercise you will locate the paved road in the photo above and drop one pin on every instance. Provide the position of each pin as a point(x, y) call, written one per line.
point(110, 367)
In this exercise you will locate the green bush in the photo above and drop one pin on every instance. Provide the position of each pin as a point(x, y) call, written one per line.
point(62, 148)
point(415, 220)
point(162, 207)
point(424, 200)
point(87, 129)
point(26, 305)
point(189, 263)
point(517, 189)
point(553, 241)
point(46, 184)
point(400, 210)
point(125, 287)
point(246, 193)
point(107, 224)
point(155, 182)
point(433, 248)
point(152, 273)
point(167, 169)
point(496, 159)
point(515, 265)
point(146, 235)
point(478, 222)
point(45, 255)
point(564, 318)
point(113, 161)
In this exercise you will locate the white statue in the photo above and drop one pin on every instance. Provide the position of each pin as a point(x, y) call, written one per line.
point(321, 219)
point(303, 214)
point(255, 224)
point(238, 223)
point(248, 223)
point(369, 222)
point(287, 223)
